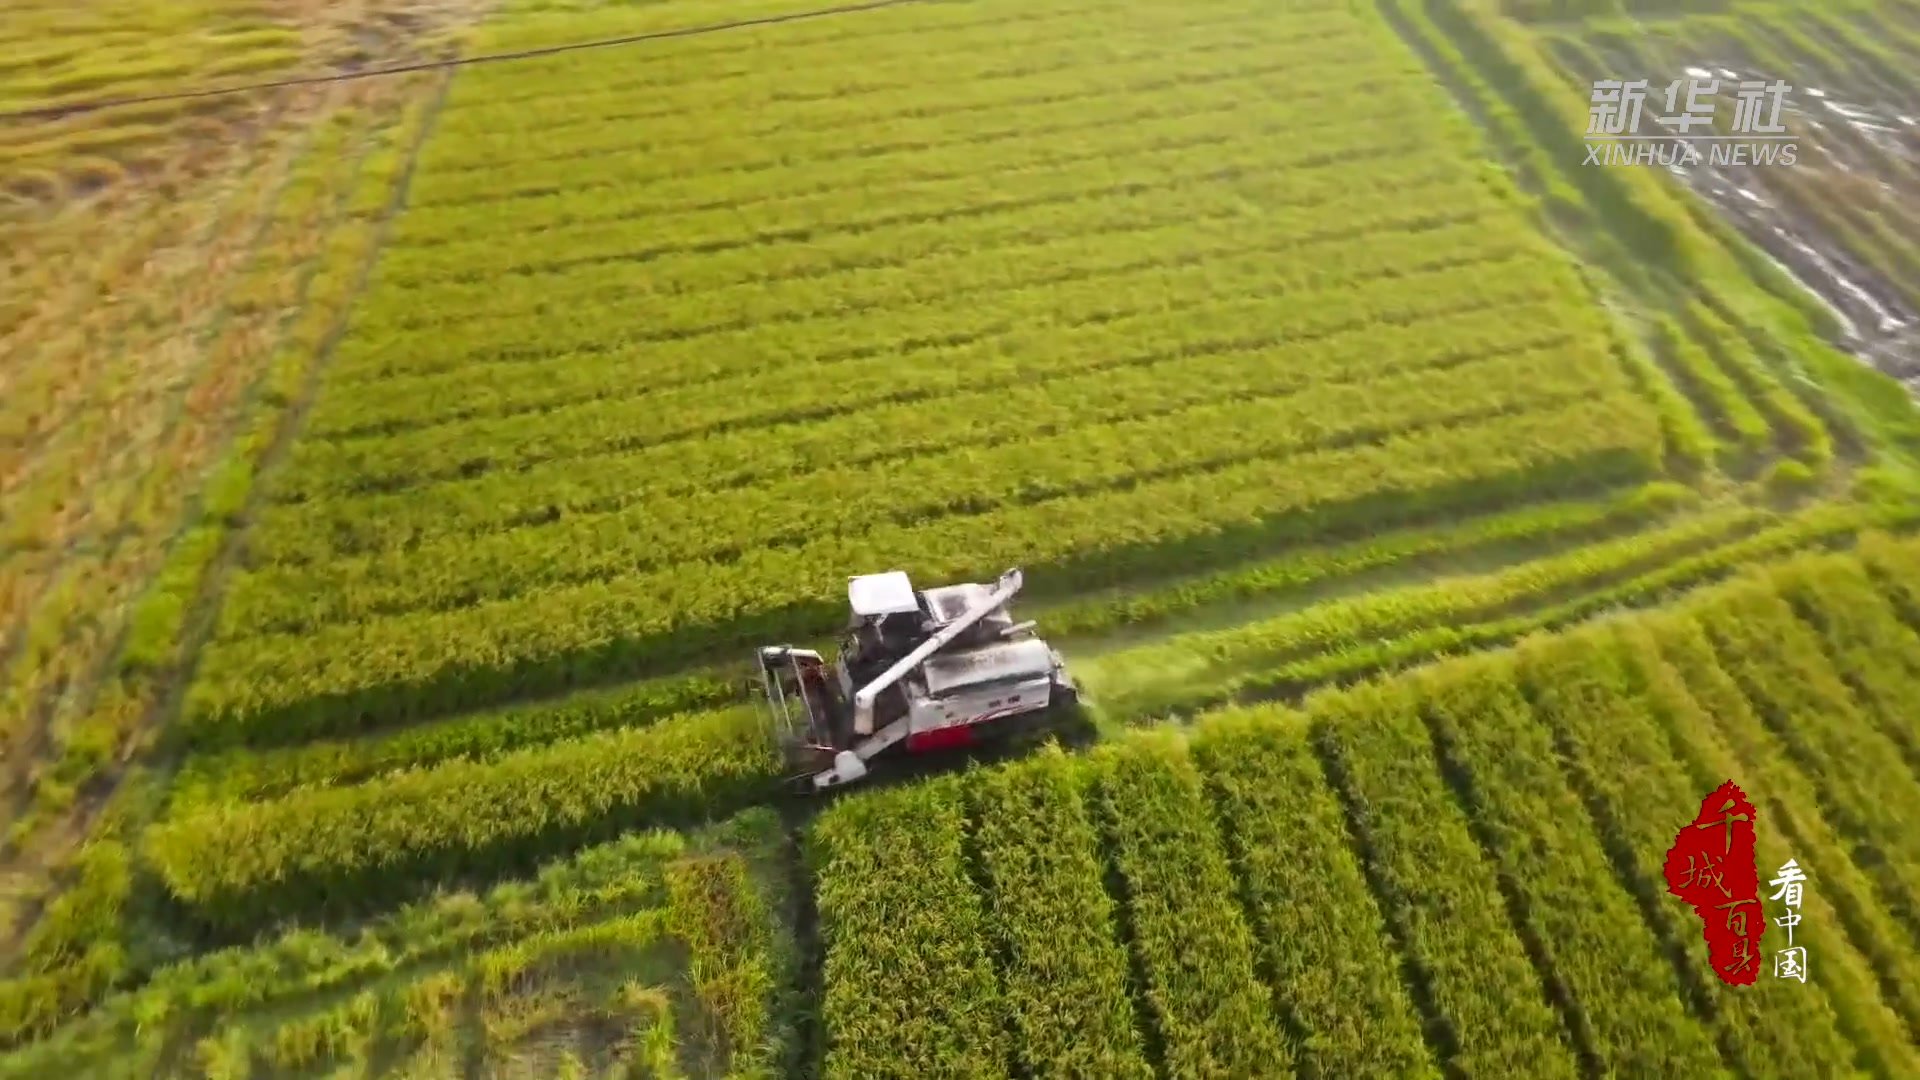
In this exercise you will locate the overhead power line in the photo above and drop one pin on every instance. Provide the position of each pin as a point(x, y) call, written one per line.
point(47, 112)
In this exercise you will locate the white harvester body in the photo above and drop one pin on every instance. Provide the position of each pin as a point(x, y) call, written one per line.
point(922, 670)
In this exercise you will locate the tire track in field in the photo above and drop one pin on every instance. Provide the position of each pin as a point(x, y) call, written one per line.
point(82, 555)
point(79, 688)
point(166, 700)
point(205, 603)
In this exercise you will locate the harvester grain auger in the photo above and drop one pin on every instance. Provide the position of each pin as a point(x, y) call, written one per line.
point(919, 672)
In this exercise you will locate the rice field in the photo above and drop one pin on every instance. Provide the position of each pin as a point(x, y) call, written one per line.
point(1432, 521)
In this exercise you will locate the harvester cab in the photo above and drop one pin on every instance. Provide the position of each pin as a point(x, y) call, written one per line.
point(918, 672)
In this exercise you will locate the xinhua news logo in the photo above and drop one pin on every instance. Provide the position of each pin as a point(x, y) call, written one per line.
point(1753, 135)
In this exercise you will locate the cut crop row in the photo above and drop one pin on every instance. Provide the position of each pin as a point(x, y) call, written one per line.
point(591, 885)
point(1448, 282)
point(1557, 523)
point(709, 262)
point(345, 677)
point(1214, 664)
point(241, 865)
point(311, 998)
point(718, 524)
point(741, 962)
point(909, 981)
point(1205, 345)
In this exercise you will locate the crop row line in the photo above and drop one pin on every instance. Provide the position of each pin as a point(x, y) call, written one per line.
point(833, 198)
point(1320, 707)
point(388, 408)
point(613, 880)
point(944, 251)
point(1212, 667)
point(709, 77)
point(725, 524)
point(707, 57)
point(842, 202)
point(255, 775)
point(538, 192)
point(866, 377)
point(1073, 396)
point(622, 135)
point(1335, 815)
point(608, 328)
point(1329, 953)
point(276, 688)
point(566, 183)
point(898, 80)
point(1825, 527)
point(302, 992)
point(1718, 735)
point(1018, 319)
point(457, 818)
point(1482, 969)
point(616, 425)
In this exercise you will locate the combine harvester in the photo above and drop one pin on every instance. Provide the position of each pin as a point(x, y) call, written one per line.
point(920, 672)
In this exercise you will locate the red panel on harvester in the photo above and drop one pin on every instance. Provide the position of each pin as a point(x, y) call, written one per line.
point(946, 738)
